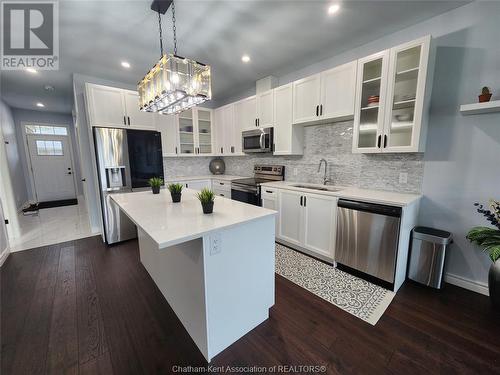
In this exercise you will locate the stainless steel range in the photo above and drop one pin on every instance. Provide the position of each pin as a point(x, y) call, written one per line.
point(248, 189)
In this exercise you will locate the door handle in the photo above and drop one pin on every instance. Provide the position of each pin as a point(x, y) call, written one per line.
point(176, 149)
point(255, 122)
point(321, 110)
point(69, 173)
point(305, 201)
point(385, 140)
point(301, 198)
point(83, 179)
point(128, 117)
point(317, 110)
point(378, 141)
point(221, 150)
point(124, 120)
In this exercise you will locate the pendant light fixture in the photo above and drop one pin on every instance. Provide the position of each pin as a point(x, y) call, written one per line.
point(175, 83)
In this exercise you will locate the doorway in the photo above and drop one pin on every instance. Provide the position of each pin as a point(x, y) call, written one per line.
point(50, 163)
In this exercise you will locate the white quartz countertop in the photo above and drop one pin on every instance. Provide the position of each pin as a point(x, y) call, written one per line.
point(170, 223)
point(222, 177)
point(364, 195)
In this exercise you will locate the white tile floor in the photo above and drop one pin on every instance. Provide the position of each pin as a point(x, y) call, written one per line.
point(51, 226)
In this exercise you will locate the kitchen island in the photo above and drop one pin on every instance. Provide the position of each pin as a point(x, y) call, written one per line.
point(216, 271)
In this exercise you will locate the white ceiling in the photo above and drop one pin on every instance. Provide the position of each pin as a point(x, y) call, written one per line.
point(279, 35)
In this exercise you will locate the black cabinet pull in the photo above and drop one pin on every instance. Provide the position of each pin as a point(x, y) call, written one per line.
point(232, 149)
point(221, 150)
point(378, 141)
point(128, 117)
point(321, 110)
point(385, 140)
point(301, 197)
point(124, 120)
point(255, 122)
point(269, 191)
point(305, 201)
point(83, 180)
point(317, 110)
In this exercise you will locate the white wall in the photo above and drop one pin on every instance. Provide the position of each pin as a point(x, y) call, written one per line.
point(460, 164)
point(13, 151)
point(50, 118)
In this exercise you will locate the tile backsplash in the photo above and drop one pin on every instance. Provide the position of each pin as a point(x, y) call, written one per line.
point(332, 142)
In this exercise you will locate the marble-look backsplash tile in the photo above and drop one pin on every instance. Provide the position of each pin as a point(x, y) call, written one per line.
point(332, 142)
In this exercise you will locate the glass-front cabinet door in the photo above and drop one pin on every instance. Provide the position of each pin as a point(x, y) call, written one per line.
point(370, 102)
point(186, 132)
point(205, 128)
point(405, 93)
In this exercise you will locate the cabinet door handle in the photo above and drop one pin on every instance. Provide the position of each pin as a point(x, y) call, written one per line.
point(305, 201)
point(378, 141)
point(232, 149)
point(176, 149)
point(269, 191)
point(317, 110)
point(124, 120)
point(255, 122)
point(221, 150)
point(128, 117)
point(321, 110)
point(301, 198)
point(385, 140)
point(187, 186)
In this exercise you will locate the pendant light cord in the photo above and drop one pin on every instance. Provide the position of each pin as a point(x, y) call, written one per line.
point(174, 27)
point(161, 36)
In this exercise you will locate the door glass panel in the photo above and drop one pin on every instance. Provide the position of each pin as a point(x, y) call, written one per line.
point(370, 97)
point(405, 91)
point(46, 130)
point(49, 148)
point(204, 131)
point(186, 132)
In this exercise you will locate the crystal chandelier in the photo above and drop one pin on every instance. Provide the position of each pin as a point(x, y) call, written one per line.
point(175, 83)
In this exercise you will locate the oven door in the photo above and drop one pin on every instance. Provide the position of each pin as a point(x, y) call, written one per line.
point(245, 193)
point(258, 140)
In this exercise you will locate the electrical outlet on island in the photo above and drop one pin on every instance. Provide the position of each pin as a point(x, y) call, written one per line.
point(403, 178)
point(295, 171)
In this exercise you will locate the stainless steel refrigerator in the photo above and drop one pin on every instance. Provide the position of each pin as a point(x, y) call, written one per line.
point(126, 160)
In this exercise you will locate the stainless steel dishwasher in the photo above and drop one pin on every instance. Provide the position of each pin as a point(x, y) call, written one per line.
point(367, 238)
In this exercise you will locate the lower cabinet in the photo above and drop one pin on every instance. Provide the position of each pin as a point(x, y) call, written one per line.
point(194, 184)
point(222, 188)
point(308, 221)
point(269, 198)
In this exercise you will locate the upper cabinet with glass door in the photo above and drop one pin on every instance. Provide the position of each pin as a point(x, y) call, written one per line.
point(205, 127)
point(391, 99)
point(186, 133)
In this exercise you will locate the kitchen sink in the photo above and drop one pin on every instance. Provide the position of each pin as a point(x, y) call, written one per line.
point(313, 187)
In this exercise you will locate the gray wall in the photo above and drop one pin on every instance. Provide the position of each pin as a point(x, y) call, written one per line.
point(460, 164)
point(14, 152)
point(51, 118)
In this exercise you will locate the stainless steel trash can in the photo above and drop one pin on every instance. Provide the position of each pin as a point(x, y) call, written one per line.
point(427, 256)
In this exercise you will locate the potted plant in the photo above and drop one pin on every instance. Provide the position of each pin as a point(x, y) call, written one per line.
point(175, 192)
point(489, 239)
point(485, 95)
point(206, 197)
point(155, 183)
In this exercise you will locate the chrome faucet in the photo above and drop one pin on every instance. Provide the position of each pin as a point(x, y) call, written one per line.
point(325, 179)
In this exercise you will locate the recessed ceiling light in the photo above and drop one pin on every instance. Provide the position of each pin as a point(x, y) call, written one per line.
point(245, 58)
point(125, 64)
point(334, 8)
point(41, 105)
point(31, 70)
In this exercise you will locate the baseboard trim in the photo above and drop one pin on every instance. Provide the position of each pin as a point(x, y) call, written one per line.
point(465, 283)
point(3, 256)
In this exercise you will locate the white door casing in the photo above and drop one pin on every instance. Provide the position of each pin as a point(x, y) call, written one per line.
point(52, 171)
point(4, 239)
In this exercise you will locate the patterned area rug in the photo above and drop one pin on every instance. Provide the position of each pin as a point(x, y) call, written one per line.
point(358, 297)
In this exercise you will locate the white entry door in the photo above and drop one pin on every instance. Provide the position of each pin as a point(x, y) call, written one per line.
point(52, 167)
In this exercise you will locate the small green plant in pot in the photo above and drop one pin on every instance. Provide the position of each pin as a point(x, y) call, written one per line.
point(489, 239)
point(175, 192)
point(155, 183)
point(206, 197)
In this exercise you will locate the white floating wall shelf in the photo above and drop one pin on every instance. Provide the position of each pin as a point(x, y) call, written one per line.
point(478, 108)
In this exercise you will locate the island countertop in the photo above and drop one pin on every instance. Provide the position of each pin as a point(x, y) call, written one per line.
point(170, 223)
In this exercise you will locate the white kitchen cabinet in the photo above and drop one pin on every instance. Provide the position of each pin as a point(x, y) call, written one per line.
point(195, 131)
point(222, 188)
point(306, 99)
point(338, 91)
point(308, 221)
point(270, 200)
point(167, 126)
point(136, 117)
point(291, 216)
point(288, 138)
point(197, 184)
point(319, 224)
point(114, 107)
point(245, 114)
point(227, 133)
point(265, 109)
point(398, 122)
point(105, 106)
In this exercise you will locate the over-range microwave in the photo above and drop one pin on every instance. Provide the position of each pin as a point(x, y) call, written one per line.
point(257, 140)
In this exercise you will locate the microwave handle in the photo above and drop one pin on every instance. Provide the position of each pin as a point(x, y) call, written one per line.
point(261, 141)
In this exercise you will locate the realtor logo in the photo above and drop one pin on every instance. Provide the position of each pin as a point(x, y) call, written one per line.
point(30, 35)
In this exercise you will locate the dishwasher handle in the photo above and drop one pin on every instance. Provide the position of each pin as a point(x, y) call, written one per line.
point(370, 207)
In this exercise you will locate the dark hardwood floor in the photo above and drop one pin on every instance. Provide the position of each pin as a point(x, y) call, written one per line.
point(79, 307)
